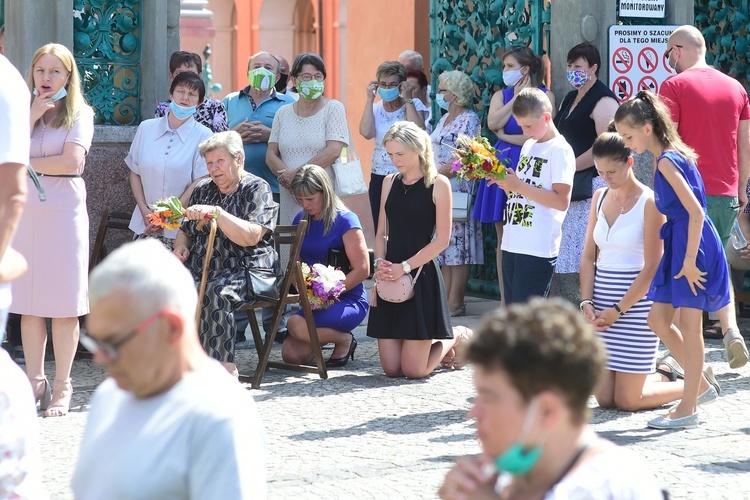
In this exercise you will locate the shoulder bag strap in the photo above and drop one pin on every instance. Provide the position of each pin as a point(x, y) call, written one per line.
point(601, 200)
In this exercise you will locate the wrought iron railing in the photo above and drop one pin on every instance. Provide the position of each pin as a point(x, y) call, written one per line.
point(107, 48)
point(724, 27)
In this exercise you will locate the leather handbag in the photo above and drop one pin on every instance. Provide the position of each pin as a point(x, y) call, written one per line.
point(583, 182)
point(348, 178)
point(337, 259)
point(261, 284)
point(401, 289)
point(461, 203)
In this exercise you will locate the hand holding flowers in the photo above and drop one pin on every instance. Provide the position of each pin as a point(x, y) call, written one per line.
point(476, 159)
point(324, 284)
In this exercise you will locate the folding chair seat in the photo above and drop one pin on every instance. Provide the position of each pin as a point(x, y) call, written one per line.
point(291, 236)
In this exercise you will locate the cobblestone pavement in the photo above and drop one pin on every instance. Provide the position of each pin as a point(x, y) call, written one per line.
point(362, 435)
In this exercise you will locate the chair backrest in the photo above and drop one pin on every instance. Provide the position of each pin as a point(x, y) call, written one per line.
point(292, 236)
point(111, 219)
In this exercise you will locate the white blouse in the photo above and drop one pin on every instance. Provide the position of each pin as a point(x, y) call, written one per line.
point(167, 161)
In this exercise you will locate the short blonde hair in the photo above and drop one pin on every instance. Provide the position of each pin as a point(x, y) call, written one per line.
point(74, 102)
point(531, 102)
point(409, 135)
point(229, 140)
point(459, 83)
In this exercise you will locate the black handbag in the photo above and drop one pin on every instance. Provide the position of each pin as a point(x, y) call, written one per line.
point(262, 284)
point(337, 258)
point(583, 182)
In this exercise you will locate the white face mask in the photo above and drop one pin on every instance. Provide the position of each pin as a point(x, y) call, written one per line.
point(511, 77)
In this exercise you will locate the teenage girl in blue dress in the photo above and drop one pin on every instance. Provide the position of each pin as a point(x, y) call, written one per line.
point(692, 276)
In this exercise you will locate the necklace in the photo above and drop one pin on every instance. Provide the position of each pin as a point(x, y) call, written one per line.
point(407, 189)
point(223, 197)
point(627, 202)
point(299, 116)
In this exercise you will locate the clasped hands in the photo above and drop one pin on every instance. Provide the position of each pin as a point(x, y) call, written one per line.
point(602, 319)
point(387, 271)
point(252, 132)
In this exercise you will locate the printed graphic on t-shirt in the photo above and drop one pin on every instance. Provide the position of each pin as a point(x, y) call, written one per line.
point(519, 211)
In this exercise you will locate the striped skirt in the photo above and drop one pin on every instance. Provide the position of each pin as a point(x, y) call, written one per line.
point(631, 346)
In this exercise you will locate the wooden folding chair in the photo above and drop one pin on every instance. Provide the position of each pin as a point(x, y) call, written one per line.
point(293, 236)
point(110, 220)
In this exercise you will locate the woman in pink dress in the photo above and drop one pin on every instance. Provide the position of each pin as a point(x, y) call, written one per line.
point(53, 235)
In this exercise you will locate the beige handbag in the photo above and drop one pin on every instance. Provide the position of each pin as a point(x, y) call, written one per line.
point(401, 289)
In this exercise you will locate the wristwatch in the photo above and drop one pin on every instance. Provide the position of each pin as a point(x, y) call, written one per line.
point(409, 101)
point(406, 266)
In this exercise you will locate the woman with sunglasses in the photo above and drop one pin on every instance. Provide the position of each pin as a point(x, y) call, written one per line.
point(397, 103)
point(312, 130)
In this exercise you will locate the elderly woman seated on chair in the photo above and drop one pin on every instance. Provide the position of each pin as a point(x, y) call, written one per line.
point(331, 226)
point(245, 213)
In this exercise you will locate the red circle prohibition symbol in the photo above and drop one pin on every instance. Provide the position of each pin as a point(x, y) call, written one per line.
point(622, 88)
point(648, 60)
point(648, 83)
point(622, 60)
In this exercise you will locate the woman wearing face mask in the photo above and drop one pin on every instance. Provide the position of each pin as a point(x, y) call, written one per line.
point(531, 416)
point(210, 112)
point(583, 115)
point(397, 103)
point(521, 69)
point(53, 236)
point(311, 130)
point(456, 94)
point(164, 159)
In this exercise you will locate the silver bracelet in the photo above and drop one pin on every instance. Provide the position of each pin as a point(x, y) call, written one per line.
point(584, 302)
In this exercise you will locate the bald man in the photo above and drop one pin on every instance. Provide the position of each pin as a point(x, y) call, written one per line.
point(712, 114)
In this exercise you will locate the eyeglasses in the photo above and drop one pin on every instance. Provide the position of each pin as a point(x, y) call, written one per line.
point(442, 91)
point(306, 77)
point(669, 50)
point(112, 349)
point(391, 85)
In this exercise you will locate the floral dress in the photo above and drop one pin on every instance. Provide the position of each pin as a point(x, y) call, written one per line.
point(210, 113)
point(466, 236)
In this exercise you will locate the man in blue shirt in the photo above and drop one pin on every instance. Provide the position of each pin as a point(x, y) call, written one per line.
point(250, 112)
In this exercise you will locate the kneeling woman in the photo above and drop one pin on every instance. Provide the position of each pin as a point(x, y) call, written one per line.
point(331, 225)
point(415, 216)
point(620, 256)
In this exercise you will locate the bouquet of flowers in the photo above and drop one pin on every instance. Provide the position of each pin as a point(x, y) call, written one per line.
point(324, 285)
point(476, 159)
point(168, 213)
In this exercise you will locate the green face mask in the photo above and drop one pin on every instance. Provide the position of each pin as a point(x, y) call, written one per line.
point(311, 90)
point(261, 79)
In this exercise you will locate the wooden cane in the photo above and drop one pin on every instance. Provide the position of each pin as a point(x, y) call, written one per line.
point(204, 276)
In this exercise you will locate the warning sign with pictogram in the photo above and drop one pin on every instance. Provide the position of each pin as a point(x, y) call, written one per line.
point(648, 60)
point(622, 60)
point(648, 83)
point(623, 88)
point(635, 53)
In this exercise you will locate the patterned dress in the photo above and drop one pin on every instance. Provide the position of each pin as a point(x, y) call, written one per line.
point(465, 246)
point(226, 289)
point(210, 113)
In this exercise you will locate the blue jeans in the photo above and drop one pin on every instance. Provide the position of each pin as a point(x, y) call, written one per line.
point(526, 276)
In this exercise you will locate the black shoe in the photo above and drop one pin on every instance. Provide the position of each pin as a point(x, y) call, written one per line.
point(340, 362)
point(281, 335)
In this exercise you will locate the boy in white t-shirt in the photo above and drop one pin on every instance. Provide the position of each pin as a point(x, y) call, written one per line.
point(538, 198)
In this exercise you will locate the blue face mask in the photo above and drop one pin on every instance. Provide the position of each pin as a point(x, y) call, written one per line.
point(388, 95)
point(181, 112)
point(440, 100)
point(518, 460)
point(57, 96)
